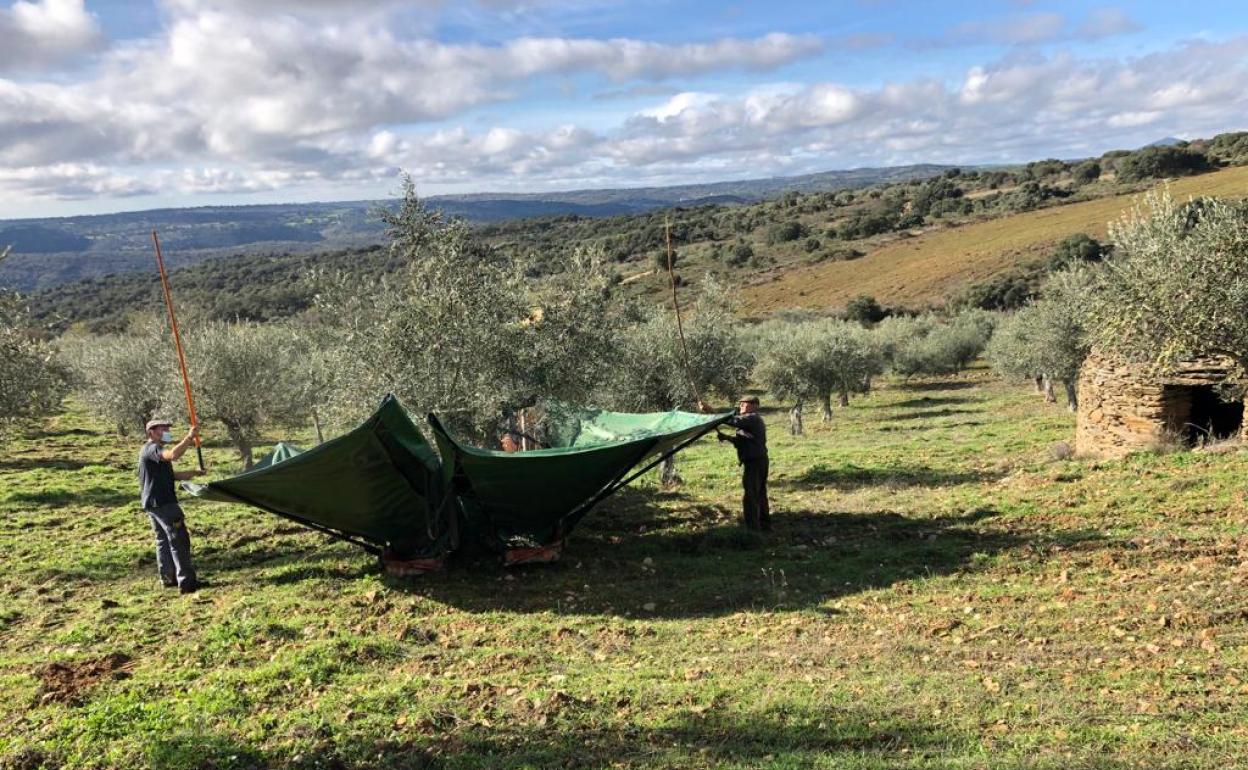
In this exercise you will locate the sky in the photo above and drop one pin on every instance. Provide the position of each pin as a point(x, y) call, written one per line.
point(111, 105)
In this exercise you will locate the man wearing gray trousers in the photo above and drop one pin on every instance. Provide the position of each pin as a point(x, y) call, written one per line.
point(159, 497)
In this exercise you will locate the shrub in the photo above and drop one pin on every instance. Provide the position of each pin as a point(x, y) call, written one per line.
point(1087, 172)
point(1007, 292)
point(864, 310)
point(1077, 248)
point(787, 231)
point(740, 254)
point(1158, 162)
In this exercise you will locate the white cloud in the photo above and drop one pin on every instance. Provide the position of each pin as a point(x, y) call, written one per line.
point(42, 33)
point(282, 100)
point(1107, 22)
point(1037, 29)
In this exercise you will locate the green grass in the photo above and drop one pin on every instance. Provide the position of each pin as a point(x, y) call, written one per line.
point(938, 593)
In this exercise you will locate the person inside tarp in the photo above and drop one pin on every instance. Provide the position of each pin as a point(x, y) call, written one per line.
point(750, 440)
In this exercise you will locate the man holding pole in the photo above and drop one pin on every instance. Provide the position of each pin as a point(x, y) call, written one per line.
point(159, 497)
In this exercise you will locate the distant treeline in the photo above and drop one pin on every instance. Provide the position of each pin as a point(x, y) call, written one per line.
point(731, 240)
point(253, 287)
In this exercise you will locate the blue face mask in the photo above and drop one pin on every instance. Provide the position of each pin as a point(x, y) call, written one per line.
point(166, 437)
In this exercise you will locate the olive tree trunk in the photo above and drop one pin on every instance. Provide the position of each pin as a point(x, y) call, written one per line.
point(1049, 395)
point(316, 421)
point(669, 477)
point(242, 443)
point(1072, 398)
point(795, 419)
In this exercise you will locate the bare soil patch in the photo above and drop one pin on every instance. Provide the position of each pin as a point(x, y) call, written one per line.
point(69, 682)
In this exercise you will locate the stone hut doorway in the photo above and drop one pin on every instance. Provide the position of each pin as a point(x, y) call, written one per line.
point(1197, 414)
point(1125, 407)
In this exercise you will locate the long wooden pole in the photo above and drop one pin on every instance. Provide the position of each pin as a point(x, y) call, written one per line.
point(177, 342)
point(680, 327)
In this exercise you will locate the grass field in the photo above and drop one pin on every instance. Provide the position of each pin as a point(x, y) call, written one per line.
point(938, 593)
point(929, 268)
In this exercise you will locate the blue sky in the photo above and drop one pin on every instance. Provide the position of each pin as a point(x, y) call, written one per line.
point(130, 104)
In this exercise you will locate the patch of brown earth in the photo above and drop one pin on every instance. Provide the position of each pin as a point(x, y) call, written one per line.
point(68, 682)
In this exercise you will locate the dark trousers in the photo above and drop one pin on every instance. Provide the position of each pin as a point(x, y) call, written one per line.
point(173, 545)
point(754, 482)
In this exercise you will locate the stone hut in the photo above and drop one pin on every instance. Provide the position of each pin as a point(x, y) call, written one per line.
point(1123, 408)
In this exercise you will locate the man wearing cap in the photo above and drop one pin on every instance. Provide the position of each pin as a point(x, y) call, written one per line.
point(159, 498)
point(750, 441)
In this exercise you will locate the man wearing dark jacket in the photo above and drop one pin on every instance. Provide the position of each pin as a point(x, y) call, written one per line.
point(750, 440)
point(159, 497)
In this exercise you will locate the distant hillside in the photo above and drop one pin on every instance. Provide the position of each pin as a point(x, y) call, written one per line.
point(933, 267)
point(984, 236)
point(48, 252)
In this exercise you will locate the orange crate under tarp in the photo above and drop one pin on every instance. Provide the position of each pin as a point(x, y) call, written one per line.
point(397, 567)
point(537, 555)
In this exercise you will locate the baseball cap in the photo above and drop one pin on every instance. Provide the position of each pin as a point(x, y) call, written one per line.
point(748, 399)
point(158, 423)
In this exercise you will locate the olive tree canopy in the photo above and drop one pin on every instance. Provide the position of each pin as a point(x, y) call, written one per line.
point(1176, 285)
point(31, 381)
point(461, 330)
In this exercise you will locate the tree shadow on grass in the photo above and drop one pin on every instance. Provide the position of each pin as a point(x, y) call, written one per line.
point(930, 385)
point(583, 731)
point(44, 463)
point(708, 565)
point(929, 426)
point(102, 497)
point(930, 401)
point(850, 477)
point(928, 414)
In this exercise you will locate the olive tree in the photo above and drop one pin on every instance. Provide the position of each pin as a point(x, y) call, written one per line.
point(240, 372)
point(125, 379)
point(648, 369)
point(814, 361)
point(845, 358)
point(461, 330)
point(926, 346)
point(1049, 338)
point(1176, 284)
point(31, 381)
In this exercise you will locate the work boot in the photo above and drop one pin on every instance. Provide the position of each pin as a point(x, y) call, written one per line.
point(191, 588)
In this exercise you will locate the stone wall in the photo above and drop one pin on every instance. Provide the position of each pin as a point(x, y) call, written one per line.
point(1123, 409)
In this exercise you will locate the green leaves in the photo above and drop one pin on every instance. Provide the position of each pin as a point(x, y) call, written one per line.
point(1177, 284)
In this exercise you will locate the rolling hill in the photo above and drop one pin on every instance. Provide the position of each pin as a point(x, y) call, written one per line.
point(49, 252)
point(931, 267)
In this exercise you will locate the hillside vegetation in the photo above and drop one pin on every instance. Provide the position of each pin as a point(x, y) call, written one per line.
point(49, 252)
point(910, 242)
point(932, 267)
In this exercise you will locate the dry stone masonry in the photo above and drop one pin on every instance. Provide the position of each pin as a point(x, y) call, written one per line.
point(1124, 408)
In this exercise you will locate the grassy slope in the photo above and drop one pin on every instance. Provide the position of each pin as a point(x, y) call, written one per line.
point(938, 593)
point(934, 266)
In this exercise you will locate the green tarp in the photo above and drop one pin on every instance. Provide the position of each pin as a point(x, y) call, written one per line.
point(281, 451)
point(535, 498)
point(379, 485)
point(383, 486)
